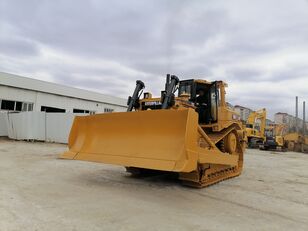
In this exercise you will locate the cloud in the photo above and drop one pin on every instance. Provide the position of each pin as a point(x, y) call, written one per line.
point(259, 47)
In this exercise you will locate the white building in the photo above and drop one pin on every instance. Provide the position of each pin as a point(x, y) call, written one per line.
point(290, 121)
point(25, 94)
point(243, 111)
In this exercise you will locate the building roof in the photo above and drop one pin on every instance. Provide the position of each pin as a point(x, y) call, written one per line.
point(16, 81)
point(239, 106)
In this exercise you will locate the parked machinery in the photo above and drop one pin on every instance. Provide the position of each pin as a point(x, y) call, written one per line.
point(274, 138)
point(194, 134)
point(255, 128)
point(296, 142)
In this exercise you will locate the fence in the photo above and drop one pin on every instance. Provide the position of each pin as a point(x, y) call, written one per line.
point(42, 126)
point(3, 125)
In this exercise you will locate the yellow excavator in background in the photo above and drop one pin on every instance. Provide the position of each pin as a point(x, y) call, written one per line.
point(194, 134)
point(274, 139)
point(255, 128)
point(279, 133)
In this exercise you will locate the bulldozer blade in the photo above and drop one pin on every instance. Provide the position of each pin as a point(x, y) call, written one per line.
point(153, 139)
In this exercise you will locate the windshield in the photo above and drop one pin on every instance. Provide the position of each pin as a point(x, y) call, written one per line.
point(185, 89)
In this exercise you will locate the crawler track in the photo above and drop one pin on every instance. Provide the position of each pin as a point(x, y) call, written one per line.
point(212, 174)
point(213, 178)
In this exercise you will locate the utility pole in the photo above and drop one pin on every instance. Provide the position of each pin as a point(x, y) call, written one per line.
point(296, 114)
point(304, 118)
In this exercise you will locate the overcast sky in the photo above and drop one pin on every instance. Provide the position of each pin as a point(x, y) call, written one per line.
point(260, 48)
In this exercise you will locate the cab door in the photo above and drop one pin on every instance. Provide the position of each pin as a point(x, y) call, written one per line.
point(214, 98)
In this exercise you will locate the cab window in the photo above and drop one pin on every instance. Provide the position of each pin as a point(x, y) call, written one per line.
point(185, 89)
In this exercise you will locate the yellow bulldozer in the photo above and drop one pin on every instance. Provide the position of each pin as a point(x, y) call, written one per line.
point(194, 134)
point(255, 128)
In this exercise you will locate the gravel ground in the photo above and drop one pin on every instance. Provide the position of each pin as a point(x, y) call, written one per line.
point(41, 192)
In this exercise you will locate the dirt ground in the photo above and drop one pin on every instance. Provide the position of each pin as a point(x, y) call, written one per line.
point(40, 192)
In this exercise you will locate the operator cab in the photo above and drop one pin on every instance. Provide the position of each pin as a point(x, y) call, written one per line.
point(204, 95)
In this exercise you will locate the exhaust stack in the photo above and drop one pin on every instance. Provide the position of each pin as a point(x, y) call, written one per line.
point(304, 118)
